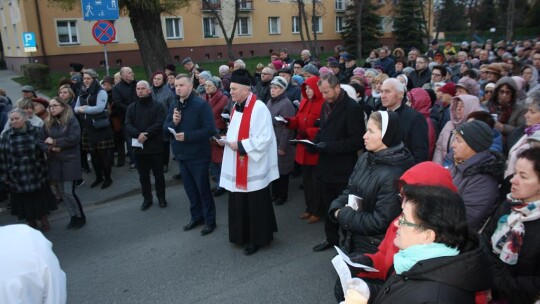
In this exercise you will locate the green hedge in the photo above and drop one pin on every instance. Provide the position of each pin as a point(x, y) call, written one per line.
point(38, 75)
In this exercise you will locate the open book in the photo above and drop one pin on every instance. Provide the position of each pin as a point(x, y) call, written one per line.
point(302, 141)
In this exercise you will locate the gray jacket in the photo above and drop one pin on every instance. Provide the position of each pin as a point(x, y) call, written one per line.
point(282, 106)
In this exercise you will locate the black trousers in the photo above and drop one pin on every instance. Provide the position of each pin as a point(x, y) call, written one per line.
point(145, 164)
point(101, 161)
point(312, 191)
point(280, 187)
point(331, 191)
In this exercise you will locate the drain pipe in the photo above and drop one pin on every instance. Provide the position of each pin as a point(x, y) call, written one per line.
point(40, 31)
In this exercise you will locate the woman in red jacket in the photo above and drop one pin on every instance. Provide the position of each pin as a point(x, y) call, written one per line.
point(305, 123)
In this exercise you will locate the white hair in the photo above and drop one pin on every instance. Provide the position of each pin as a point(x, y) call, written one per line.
point(223, 70)
point(396, 84)
point(144, 83)
point(240, 63)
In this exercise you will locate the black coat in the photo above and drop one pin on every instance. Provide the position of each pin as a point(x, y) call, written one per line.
point(146, 115)
point(123, 94)
point(414, 132)
point(374, 180)
point(451, 280)
point(518, 283)
point(342, 132)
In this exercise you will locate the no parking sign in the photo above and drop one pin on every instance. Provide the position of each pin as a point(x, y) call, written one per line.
point(103, 31)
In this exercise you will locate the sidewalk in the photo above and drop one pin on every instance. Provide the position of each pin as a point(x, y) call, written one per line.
point(13, 89)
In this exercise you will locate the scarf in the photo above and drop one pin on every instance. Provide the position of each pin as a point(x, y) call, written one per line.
point(329, 107)
point(243, 133)
point(530, 130)
point(507, 239)
point(375, 94)
point(407, 258)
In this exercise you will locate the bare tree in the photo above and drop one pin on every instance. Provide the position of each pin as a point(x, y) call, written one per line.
point(226, 24)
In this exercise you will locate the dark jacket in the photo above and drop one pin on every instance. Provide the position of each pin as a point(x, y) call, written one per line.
point(342, 132)
point(197, 123)
point(451, 280)
point(146, 115)
point(66, 164)
point(518, 283)
point(477, 180)
point(293, 92)
point(374, 180)
point(419, 78)
point(123, 94)
point(282, 106)
point(414, 132)
point(262, 90)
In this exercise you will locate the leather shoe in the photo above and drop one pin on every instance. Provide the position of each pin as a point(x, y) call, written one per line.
point(191, 225)
point(219, 191)
point(96, 183)
point(146, 205)
point(305, 215)
point(279, 202)
point(323, 246)
point(162, 203)
point(313, 219)
point(251, 249)
point(207, 229)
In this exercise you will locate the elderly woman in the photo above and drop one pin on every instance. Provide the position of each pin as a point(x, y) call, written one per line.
point(60, 141)
point(438, 260)
point(373, 102)
point(514, 235)
point(97, 135)
point(23, 168)
point(162, 94)
point(217, 100)
point(507, 106)
point(530, 77)
point(280, 105)
point(372, 186)
point(460, 107)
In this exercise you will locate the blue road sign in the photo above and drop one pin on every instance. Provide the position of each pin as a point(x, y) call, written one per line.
point(29, 41)
point(94, 10)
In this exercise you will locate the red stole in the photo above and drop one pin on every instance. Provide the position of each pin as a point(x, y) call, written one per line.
point(243, 133)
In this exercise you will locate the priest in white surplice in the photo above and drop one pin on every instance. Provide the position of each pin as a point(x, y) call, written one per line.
point(250, 163)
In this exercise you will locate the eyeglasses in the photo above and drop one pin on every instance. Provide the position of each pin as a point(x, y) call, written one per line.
point(436, 75)
point(403, 222)
point(488, 92)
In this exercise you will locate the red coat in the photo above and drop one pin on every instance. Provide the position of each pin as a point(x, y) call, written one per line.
point(217, 102)
point(304, 121)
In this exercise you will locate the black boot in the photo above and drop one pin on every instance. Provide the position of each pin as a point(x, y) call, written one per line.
point(72, 223)
point(79, 222)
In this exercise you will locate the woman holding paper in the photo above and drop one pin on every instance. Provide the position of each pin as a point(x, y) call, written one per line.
point(372, 186)
point(305, 123)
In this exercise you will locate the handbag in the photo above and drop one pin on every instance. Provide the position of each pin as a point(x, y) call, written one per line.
point(100, 121)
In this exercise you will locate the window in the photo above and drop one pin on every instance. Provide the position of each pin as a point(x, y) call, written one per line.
point(16, 36)
point(173, 28)
point(67, 32)
point(274, 25)
point(296, 24)
point(209, 27)
point(340, 5)
point(244, 26)
point(317, 24)
point(340, 24)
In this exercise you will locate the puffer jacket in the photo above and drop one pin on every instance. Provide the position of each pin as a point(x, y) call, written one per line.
point(421, 102)
point(305, 120)
point(477, 180)
point(374, 180)
point(453, 279)
point(471, 104)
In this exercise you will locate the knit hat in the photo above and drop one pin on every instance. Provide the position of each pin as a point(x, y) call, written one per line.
point(76, 77)
point(206, 75)
point(469, 84)
point(325, 71)
point(408, 70)
point(186, 60)
point(280, 82)
point(449, 88)
point(28, 88)
point(241, 76)
point(285, 70)
point(428, 173)
point(490, 85)
point(359, 71)
point(333, 64)
point(41, 100)
point(476, 134)
point(299, 79)
point(311, 69)
point(278, 64)
point(108, 79)
point(390, 128)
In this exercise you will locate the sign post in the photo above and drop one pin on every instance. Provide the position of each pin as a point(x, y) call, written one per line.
point(104, 32)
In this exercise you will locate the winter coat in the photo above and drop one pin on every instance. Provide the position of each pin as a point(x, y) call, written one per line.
point(419, 78)
point(197, 123)
point(374, 180)
point(262, 90)
point(282, 106)
point(517, 117)
point(305, 121)
point(443, 145)
point(452, 279)
point(217, 102)
point(123, 94)
point(477, 180)
point(293, 92)
point(342, 132)
point(165, 97)
point(66, 164)
point(413, 132)
point(22, 162)
point(421, 102)
point(518, 283)
point(146, 115)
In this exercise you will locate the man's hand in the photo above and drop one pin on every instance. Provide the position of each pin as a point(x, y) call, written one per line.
point(233, 145)
point(280, 152)
point(142, 137)
point(176, 117)
point(179, 136)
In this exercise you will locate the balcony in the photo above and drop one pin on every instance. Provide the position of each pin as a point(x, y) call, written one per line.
point(210, 5)
point(246, 5)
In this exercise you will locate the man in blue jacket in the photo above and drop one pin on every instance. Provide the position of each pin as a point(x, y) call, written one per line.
point(191, 119)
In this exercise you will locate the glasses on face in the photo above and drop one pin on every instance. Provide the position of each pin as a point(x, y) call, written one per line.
point(436, 75)
point(489, 92)
point(403, 222)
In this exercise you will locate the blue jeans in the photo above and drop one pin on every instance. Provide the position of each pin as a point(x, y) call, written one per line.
point(197, 186)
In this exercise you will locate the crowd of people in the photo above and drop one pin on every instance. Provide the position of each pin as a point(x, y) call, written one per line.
point(423, 166)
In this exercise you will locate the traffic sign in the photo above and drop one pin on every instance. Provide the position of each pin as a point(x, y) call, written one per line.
point(103, 31)
point(29, 42)
point(94, 10)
